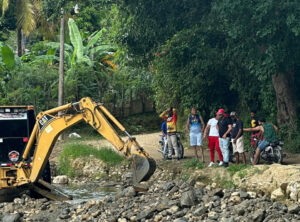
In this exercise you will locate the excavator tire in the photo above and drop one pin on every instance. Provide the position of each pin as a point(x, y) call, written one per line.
point(142, 168)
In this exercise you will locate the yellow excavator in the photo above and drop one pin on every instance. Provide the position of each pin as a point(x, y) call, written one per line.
point(26, 172)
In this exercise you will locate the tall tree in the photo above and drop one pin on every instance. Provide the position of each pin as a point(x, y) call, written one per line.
point(264, 37)
point(26, 14)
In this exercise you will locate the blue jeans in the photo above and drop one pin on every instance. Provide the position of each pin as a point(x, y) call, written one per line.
point(262, 145)
point(224, 143)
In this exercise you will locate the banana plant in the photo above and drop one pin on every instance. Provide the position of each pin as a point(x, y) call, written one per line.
point(9, 61)
point(89, 53)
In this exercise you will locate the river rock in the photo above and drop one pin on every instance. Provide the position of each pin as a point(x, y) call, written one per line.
point(11, 217)
point(277, 194)
point(180, 220)
point(168, 186)
point(200, 211)
point(173, 209)
point(294, 209)
point(188, 199)
point(293, 189)
point(258, 215)
point(213, 215)
point(62, 179)
point(129, 192)
point(251, 194)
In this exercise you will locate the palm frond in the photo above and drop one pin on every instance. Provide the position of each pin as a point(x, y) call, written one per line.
point(5, 4)
point(26, 16)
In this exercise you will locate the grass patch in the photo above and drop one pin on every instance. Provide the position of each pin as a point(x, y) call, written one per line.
point(73, 151)
point(185, 176)
point(224, 183)
point(107, 155)
point(193, 164)
point(233, 169)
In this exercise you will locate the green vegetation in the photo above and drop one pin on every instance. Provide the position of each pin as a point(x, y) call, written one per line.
point(235, 55)
point(233, 169)
point(193, 164)
point(224, 182)
point(73, 151)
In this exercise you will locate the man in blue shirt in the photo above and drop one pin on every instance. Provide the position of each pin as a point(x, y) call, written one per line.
point(195, 126)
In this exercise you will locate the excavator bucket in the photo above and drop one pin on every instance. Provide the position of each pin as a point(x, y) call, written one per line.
point(142, 167)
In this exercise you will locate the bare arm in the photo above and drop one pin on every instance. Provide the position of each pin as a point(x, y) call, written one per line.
point(187, 126)
point(207, 128)
point(238, 135)
point(275, 127)
point(202, 123)
point(258, 128)
point(228, 131)
point(163, 114)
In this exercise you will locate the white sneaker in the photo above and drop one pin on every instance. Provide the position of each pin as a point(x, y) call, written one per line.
point(221, 163)
point(211, 164)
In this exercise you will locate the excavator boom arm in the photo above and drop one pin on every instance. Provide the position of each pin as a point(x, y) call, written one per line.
point(49, 126)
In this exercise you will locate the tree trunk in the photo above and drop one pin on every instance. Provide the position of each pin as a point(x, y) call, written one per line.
point(286, 106)
point(19, 41)
point(61, 62)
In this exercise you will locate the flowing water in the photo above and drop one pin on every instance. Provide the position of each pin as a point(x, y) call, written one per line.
point(90, 191)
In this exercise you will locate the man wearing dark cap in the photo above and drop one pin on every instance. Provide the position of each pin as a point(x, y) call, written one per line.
point(237, 138)
point(224, 127)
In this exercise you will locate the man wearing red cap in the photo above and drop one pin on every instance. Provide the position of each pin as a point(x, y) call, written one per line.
point(224, 127)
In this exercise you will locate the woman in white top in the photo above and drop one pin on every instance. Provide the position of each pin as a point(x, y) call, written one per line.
point(213, 140)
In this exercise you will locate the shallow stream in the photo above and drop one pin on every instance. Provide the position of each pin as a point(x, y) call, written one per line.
point(86, 192)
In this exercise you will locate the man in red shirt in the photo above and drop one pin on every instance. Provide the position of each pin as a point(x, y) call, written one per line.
point(170, 116)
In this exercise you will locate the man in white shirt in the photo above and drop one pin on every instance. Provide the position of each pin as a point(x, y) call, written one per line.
point(213, 140)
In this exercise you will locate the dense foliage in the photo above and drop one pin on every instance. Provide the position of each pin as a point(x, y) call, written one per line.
point(239, 55)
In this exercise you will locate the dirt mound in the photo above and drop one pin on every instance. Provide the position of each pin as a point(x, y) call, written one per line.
point(268, 177)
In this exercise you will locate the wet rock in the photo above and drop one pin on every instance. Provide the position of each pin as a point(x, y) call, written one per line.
point(62, 179)
point(11, 217)
point(294, 209)
point(188, 199)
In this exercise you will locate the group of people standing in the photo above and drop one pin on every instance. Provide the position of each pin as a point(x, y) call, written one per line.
point(220, 131)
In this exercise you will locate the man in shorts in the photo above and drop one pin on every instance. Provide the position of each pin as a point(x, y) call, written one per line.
point(237, 138)
point(194, 126)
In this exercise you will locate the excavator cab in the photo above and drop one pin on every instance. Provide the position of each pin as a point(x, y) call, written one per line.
point(16, 124)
